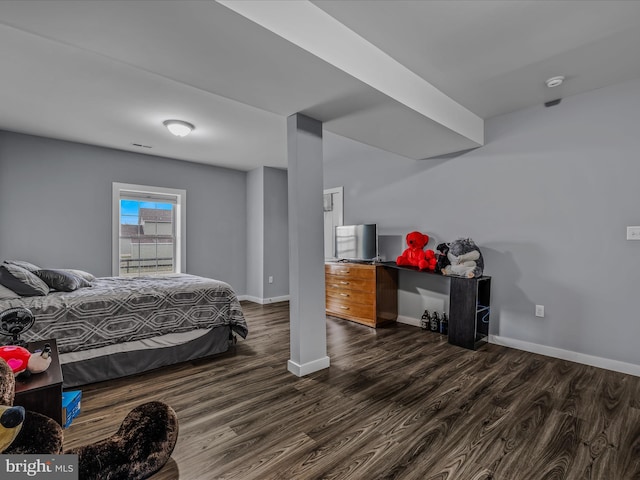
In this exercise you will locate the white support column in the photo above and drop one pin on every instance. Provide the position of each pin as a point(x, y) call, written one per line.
point(308, 327)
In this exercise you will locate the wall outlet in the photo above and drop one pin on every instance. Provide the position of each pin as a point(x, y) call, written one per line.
point(633, 233)
point(270, 279)
point(539, 310)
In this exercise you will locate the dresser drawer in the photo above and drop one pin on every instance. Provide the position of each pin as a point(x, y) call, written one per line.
point(351, 271)
point(351, 296)
point(336, 282)
point(351, 310)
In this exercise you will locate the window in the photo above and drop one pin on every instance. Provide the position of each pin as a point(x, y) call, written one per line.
point(148, 230)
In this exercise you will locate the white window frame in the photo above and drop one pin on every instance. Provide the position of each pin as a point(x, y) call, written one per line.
point(180, 219)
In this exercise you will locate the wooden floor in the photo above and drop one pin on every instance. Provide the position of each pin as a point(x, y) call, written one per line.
point(396, 402)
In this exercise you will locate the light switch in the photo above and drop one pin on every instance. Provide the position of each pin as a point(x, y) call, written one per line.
point(633, 233)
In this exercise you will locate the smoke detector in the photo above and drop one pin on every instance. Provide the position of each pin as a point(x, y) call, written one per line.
point(555, 81)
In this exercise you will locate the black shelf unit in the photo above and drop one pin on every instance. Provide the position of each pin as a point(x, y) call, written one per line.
point(469, 311)
point(469, 307)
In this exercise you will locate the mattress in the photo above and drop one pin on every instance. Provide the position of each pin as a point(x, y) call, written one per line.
point(119, 310)
point(108, 363)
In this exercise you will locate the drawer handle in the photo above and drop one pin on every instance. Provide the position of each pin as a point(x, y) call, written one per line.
point(343, 307)
point(344, 272)
point(344, 294)
point(344, 283)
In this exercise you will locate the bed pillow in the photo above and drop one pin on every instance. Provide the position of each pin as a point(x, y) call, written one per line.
point(81, 273)
point(61, 280)
point(21, 281)
point(7, 294)
point(26, 265)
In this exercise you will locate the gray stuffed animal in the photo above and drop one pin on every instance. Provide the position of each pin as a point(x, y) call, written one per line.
point(466, 259)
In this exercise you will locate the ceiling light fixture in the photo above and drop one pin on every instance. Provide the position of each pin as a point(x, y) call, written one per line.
point(555, 81)
point(178, 127)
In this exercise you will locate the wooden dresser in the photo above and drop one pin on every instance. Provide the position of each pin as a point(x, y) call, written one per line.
point(366, 294)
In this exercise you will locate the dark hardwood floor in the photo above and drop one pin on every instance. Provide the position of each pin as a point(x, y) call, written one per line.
point(397, 402)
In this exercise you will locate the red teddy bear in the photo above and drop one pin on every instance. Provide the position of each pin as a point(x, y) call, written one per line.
point(415, 255)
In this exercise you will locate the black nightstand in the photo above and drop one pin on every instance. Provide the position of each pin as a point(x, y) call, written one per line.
point(42, 392)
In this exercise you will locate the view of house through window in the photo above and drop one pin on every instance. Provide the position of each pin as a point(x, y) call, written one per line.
point(148, 230)
point(147, 237)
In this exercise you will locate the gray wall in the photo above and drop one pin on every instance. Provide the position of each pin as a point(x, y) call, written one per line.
point(276, 233)
point(55, 206)
point(268, 236)
point(547, 199)
point(255, 233)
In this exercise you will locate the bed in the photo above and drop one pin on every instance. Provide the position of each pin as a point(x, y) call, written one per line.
point(120, 326)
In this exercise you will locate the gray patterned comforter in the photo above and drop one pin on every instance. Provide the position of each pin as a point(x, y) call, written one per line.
point(122, 309)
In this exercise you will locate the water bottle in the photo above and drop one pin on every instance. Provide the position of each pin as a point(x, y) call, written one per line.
point(425, 320)
point(435, 322)
point(444, 324)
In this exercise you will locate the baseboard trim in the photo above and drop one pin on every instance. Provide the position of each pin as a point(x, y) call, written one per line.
point(264, 301)
point(309, 367)
point(600, 362)
point(415, 322)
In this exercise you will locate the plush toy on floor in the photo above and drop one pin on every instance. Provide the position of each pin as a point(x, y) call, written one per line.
point(415, 255)
point(24, 432)
point(466, 259)
point(142, 445)
point(11, 420)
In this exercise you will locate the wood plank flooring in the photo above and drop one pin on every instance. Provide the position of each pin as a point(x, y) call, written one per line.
point(397, 402)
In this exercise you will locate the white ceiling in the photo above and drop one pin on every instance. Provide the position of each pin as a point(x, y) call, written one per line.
point(108, 73)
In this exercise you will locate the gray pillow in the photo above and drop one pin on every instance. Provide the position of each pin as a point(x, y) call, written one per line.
point(81, 273)
point(26, 265)
point(61, 280)
point(21, 281)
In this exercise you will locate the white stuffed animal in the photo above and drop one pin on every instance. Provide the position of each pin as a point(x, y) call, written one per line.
point(466, 259)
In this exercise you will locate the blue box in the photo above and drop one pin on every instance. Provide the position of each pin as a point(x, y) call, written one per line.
point(70, 406)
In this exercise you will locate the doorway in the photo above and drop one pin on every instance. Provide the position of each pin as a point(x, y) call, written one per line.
point(333, 216)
